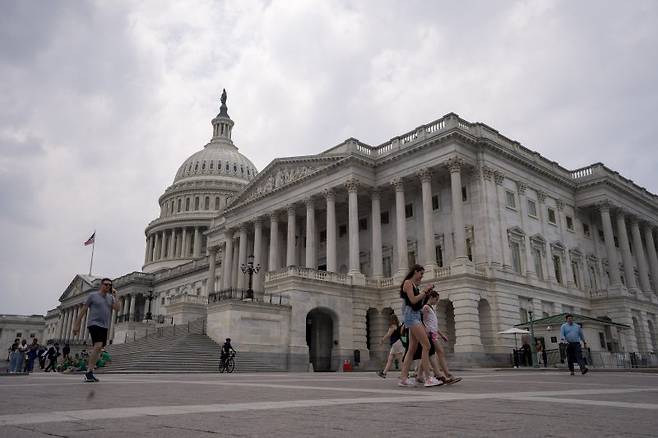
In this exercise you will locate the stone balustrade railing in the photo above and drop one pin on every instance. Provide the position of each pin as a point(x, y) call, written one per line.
point(443, 272)
point(312, 274)
point(379, 282)
point(190, 299)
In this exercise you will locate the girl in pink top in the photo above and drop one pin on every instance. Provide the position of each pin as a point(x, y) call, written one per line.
point(432, 328)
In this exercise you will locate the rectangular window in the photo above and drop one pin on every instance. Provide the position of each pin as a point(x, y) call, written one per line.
point(574, 270)
point(602, 340)
point(523, 315)
point(469, 249)
point(383, 217)
point(510, 199)
point(569, 223)
point(551, 216)
point(162, 301)
point(516, 257)
point(439, 255)
point(464, 194)
point(363, 224)
point(435, 202)
point(586, 230)
point(408, 211)
point(532, 208)
point(342, 230)
point(386, 261)
point(536, 255)
point(558, 268)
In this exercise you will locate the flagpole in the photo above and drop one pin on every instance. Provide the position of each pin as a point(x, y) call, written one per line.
point(93, 245)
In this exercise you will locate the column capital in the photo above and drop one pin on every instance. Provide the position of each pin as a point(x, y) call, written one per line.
point(375, 193)
point(243, 227)
point(522, 187)
point(309, 202)
point(398, 184)
point(425, 174)
point(633, 220)
point(329, 194)
point(352, 185)
point(273, 215)
point(258, 220)
point(604, 206)
point(455, 164)
point(499, 177)
point(488, 173)
point(560, 204)
point(541, 196)
point(291, 209)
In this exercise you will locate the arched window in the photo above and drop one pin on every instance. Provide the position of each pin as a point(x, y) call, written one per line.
point(203, 166)
point(196, 166)
point(196, 203)
point(211, 165)
point(216, 202)
point(227, 168)
point(206, 205)
point(187, 204)
point(235, 168)
point(179, 202)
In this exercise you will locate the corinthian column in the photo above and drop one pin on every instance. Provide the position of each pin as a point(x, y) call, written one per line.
point(197, 242)
point(651, 251)
point(352, 185)
point(640, 256)
point(400, 227)
point(331, 230)
point(274, 242)
point(428, 230)
point(258, 249)
point(210, 283)
point(455, 165)
point(290, 247)
point(377, 263)
point(611, 251)
point(311, 259)
point(242, 257)
point(622, 235)
point(228, 260)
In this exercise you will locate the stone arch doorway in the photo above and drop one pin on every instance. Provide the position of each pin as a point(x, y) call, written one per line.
point(486, 325)
point(320, 338)
point(446, 315)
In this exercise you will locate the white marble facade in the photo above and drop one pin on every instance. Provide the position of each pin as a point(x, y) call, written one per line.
point(500, 229)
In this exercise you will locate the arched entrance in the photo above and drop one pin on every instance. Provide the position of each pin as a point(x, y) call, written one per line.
point(486, 325)
point(446, 315)
point(320, 338)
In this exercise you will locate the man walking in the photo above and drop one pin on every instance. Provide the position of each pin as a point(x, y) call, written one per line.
point(572, 334)
point(100, 305)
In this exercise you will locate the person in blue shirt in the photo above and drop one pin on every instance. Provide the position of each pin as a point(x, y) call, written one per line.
point(572, 334)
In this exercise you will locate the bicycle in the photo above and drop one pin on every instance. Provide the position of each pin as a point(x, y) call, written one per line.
point(227, 364)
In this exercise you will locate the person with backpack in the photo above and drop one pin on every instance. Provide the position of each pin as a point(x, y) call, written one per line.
point(413, 298)
point(397, 348)
point(52, 353)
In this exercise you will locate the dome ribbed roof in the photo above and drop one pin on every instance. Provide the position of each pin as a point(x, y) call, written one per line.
point(217, 159)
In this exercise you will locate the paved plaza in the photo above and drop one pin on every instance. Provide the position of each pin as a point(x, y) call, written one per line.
point(486, 403)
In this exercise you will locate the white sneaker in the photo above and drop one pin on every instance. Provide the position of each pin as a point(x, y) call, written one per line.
point(406, 382)
point(432, 381)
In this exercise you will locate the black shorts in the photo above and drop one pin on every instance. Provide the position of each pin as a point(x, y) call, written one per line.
point(419, 350)
point(98, 334)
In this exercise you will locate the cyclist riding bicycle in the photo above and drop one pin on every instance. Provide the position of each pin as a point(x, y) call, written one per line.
point(227, 349)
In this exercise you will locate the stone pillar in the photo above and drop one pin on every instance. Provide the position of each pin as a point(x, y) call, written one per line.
point(76, 310)
point(377, 262)
point(184, 251)
point(352, 185)
point(311, 249)
point(400, 228)
point(455, 165)
point(113, 323)
point(331, 230)
point(197, 242)
point(428, 229)
point(611, 251)
point(258, 256)
point(290, 243)
point(158, 245)
point(646, 343)
point(170, 251)
point(152, 252)
point(236, 261)
point(523, 211)
point(651, 251)
point(640, 256)
point(622, 235)
point(467, 321)
point(228, 260)
point(163, 245)
point(146, 252)
point(274, 242)
point(242, 257)
point(131, 311)
point(210, 283)
point(62, 324)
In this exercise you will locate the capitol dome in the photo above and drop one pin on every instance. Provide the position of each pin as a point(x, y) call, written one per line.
point(203, 187)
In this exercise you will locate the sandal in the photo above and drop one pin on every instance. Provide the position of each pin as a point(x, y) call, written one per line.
point(453, 379)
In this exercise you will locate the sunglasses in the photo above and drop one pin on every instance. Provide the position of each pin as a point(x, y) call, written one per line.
point(107, 284)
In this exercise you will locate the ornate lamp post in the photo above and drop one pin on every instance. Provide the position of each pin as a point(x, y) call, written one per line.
point(249, 269)
point(150, 297)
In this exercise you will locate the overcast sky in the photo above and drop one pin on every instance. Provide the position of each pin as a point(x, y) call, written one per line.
point(101, 102)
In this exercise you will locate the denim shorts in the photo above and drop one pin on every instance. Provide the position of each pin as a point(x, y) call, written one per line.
point(411, 317)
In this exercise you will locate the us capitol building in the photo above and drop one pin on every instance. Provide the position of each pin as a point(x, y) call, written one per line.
point(502, 231)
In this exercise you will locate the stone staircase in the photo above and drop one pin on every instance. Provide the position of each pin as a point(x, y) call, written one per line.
point(179, 349)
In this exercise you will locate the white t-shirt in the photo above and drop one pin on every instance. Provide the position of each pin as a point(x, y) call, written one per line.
point(430, 320)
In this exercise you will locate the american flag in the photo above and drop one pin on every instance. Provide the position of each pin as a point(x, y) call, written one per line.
point(91, 239)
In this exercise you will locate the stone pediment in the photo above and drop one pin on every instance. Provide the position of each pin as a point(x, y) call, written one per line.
point(78, 286)
point(282, 173)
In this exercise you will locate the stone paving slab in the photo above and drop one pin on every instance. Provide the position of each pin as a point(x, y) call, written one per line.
point(486, 403)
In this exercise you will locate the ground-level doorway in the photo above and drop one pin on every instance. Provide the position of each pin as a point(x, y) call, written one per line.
point(320, 338)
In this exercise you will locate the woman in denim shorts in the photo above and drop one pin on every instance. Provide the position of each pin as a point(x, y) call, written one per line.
point(411, 307)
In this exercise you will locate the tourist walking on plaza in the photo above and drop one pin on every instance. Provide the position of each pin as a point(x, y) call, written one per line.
point(99, 305)
point(32, 354)
point(572, 334)
point(431, 323)
point(412, 304)
point(397, 349)
point(52, 353)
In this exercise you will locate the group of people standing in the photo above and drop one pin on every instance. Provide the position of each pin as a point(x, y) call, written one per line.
point(418, 337)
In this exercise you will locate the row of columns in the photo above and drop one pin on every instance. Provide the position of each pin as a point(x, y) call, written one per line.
point(645, 252)
point(66, 324)
point(174, 243)
point(352, 185)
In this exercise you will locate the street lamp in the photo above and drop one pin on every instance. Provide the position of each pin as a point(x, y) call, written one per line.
point(250, 269)
point(150, 297)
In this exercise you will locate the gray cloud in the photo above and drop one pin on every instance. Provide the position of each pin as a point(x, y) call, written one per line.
point(100, 102)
